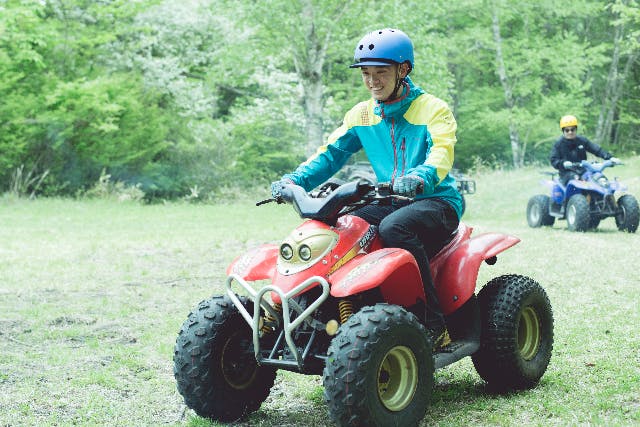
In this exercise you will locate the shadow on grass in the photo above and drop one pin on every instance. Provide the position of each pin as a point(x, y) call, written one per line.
point(451, 401)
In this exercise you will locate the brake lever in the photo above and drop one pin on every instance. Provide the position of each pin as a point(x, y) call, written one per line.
point(264, 202)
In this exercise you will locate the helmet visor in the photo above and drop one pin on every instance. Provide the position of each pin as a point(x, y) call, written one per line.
point(372, 62)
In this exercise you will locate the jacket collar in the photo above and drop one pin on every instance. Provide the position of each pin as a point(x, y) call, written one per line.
point(399, 105)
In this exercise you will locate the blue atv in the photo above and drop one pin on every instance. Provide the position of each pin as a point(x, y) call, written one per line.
point(585, 200)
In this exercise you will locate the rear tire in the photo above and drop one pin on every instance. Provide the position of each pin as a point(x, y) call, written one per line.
point(578, 217)
point(517, 333)
point(628, 218)
point(379, 369)
point(214, 364)
point(538, 211)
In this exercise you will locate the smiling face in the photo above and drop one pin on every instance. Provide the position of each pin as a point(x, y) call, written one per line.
point(381, 81)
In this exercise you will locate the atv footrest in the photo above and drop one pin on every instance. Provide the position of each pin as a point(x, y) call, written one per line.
point(454, 352)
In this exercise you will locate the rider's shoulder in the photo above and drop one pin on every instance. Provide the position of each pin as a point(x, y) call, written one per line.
point(583, 139)
point(360, 114)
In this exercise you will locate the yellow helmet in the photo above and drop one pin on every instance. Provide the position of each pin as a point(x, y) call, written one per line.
point(567, 121)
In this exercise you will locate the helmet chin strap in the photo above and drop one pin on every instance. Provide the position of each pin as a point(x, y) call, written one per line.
point(397, 86)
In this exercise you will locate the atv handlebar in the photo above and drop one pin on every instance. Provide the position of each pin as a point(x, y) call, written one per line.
point(332, 201)
point(586, 165)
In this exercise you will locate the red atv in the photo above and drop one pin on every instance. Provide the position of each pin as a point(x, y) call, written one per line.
point(339, 304)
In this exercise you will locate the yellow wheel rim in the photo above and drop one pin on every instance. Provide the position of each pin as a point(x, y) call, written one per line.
point(397, 378)
point(528, 333)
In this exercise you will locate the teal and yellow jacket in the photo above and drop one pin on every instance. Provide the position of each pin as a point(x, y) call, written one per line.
point(414, 134)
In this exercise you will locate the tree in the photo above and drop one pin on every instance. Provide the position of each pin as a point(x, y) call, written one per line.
point(625, 19)
point(513, 79)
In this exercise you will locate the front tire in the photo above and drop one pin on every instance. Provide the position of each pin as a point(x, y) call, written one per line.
point(629, 216)
point(578, 217)
point(214, 363)
point(517, 333)
point(379, 369)
point(538, 211)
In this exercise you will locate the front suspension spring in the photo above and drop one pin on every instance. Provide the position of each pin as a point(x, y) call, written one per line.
point(346, 309)
point(269, 320)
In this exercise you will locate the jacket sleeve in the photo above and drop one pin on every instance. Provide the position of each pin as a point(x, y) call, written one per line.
point(327, 160)
point(441, 126)
point(595, 149)
point(556, 158)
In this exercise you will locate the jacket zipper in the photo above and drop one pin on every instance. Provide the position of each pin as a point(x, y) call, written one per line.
point(395, 153)
point(403, 150)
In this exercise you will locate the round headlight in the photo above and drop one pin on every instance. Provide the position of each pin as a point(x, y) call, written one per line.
point(286, 251)
point(603, 181)
point(304, 252)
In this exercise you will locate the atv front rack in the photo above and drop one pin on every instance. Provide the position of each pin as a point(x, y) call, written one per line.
point(283, 319)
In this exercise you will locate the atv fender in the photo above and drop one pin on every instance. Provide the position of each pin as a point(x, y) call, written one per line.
point(257, 264)
point(548, 183)
point(456, 279)
point(394, 270)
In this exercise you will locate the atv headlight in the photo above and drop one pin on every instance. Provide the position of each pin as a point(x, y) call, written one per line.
point(286, 251)
point(304, 252)
point(304, 247)
point(603, 181)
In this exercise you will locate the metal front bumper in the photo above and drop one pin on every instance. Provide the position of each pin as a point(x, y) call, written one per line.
point(290, 309)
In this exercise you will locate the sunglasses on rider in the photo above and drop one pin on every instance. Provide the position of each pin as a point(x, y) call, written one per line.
point(567, 130)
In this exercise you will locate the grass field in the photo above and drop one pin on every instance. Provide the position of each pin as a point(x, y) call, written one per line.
point(92, 294)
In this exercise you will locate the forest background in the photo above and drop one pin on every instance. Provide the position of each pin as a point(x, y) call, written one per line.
point(197, 98)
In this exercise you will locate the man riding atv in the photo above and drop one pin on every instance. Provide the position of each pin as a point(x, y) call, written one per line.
point(572, 148)
point(409, 137)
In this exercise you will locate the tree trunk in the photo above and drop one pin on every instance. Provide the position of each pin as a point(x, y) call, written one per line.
point(613, 89)
point(603, 127)
point(517, 149)
point(308, 61)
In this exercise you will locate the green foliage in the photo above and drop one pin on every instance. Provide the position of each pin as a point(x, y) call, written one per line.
point(267, 150)
point(90, 125)
point(23, 80)
point(212, 94)
point(105, 188)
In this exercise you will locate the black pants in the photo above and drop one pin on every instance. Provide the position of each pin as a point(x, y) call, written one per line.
point(422, 227)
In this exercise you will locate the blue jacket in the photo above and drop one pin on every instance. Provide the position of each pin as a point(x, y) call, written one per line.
point(412, 135)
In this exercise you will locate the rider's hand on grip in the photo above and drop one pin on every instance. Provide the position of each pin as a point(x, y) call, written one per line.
point(277, 187)
point(408, 186)
point(567, 164)
point(616, 160)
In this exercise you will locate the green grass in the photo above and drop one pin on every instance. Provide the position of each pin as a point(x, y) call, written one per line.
point(92, 294)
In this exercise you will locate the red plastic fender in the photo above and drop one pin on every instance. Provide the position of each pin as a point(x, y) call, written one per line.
point(456, 279)
point(257, 264)
point(394, 270)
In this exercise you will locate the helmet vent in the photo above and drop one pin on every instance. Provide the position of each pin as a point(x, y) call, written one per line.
point(371, 46)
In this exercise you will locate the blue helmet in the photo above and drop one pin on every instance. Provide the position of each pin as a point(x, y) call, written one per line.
point(383, 47)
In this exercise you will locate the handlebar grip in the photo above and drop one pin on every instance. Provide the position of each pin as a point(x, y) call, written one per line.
point(385, 188)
